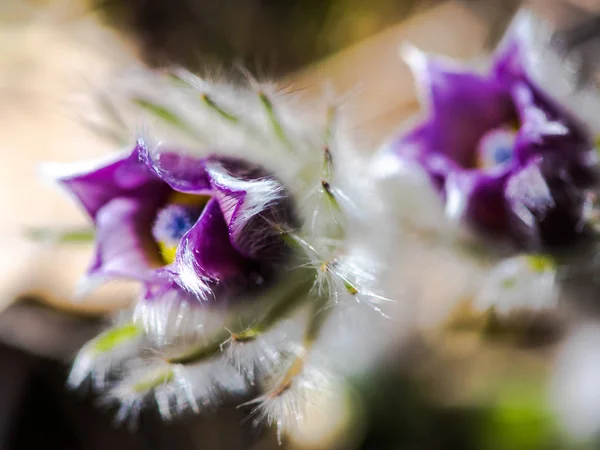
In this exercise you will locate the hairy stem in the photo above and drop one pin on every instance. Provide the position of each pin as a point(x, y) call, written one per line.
point(289, 300)
point(315, 323)
point(311, 333)
point(202, 352)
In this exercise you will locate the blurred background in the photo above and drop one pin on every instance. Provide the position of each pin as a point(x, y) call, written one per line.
point(474, 384)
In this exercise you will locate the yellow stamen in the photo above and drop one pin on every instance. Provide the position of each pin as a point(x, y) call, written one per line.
point(180, 198)
point(168, 252)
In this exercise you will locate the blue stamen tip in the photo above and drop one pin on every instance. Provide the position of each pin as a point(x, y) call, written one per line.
point(496, 148)
point(172, 222)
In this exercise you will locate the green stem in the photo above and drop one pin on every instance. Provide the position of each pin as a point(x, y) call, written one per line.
point(202, 352)
point(288, 236)
point(317, 318)
point(311, 333)
point(285, 304)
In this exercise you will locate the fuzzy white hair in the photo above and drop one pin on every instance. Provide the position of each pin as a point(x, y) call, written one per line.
point(104, 354)
point(286, 400)
point(520, 282)
point(174, 388)
point(173, 320)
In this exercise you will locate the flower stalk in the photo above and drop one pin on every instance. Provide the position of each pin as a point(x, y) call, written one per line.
point(287, 302)
point(318, 316)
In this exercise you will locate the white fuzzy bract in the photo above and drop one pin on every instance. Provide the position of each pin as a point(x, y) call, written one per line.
point(521, 282)
point(174, 388)
point(173, 319)
point(263, 355)
point(101, 356)
point(287, 400)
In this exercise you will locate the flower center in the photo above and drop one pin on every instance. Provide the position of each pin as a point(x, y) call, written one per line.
point(496, 147)
point(174, 220)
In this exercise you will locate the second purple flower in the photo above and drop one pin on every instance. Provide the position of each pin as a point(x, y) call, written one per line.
point(504, 157)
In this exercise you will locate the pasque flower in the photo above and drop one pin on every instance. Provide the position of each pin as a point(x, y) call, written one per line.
point(496, 157)
point(175, 221)
point(250, 233)
point(503, 155)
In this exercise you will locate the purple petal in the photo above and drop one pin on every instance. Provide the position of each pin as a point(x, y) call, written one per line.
point(545, 124)
point(545, 127)
point(182, 172)
point(124, 243)
point(536, 197)
point(122, 198)
point(546, 206)
point(206, 253)
point(462, 106)
point(509, 63)
point(479, 199)
point(252, 201)
point(255, 206)
point(126, 177)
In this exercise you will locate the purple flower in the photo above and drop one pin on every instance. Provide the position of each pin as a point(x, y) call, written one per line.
point(503, 155)
point(175, 221)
